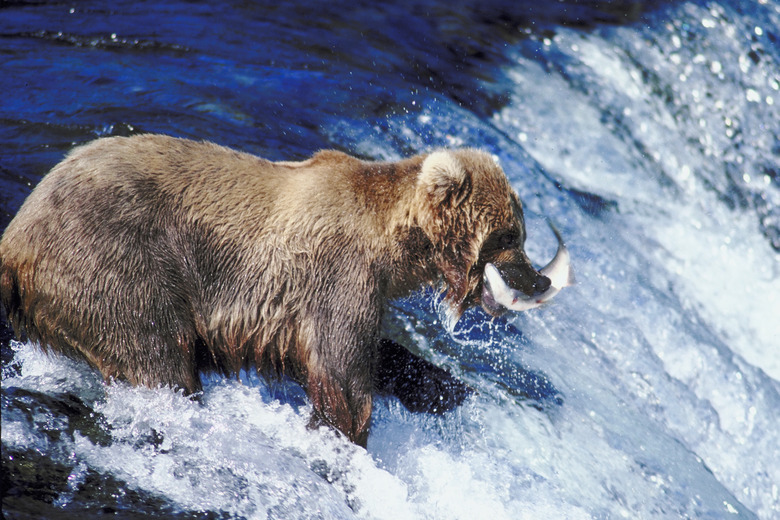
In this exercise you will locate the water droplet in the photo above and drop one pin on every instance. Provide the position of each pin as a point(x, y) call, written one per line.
point(744, 63)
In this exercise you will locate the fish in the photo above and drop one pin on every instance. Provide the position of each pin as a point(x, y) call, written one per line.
point(559, 271)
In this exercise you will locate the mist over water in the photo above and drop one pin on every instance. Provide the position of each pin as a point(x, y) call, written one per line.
point(648, 133)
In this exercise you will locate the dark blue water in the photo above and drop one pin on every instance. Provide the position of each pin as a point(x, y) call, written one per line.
point(648, 131)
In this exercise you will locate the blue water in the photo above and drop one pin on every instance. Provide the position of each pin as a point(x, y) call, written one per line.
point(649, 132)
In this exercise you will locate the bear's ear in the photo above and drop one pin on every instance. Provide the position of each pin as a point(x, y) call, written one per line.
point(444, 178)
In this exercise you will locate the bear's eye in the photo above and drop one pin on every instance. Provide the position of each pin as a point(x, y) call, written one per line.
point(508, 240)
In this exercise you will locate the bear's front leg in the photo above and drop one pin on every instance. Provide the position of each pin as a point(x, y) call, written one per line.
point(340, 343)
point(342, 402)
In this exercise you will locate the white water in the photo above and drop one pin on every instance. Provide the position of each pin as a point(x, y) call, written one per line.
point(665, 353)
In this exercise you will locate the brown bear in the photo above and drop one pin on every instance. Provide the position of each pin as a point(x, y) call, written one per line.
point(155, 258)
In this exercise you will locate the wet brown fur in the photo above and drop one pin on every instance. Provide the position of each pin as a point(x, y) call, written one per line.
point(155, 258)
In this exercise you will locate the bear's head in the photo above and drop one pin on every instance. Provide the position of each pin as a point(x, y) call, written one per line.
point(473, 217)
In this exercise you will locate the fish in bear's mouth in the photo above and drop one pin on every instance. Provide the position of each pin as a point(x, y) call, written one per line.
point(498, 296)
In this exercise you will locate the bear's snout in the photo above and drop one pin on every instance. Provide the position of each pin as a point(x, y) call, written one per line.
point(541, 284)
point(524, 278)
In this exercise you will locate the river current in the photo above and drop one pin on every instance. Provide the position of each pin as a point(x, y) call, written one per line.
point(648, 132)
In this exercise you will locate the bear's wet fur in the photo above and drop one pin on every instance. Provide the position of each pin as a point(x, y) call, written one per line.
point(155, 258)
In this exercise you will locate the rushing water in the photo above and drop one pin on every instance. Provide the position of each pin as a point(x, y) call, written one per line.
point(648, 132)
